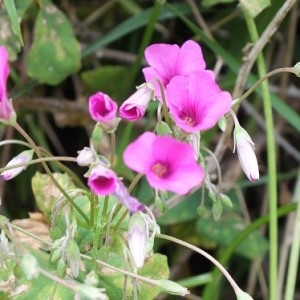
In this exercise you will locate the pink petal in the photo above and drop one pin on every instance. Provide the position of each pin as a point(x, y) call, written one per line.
point(190, 58)
point(138, 155)
point(4, 71)
point(199, 98)
point(163, 58)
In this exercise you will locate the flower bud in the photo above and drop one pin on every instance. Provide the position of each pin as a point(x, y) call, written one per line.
point(172, 287)
point(90, 292)
point(73, 257)
point(245, 150)
point(30, 266)
point(135, 106)
point(137, 238)
point(102, 181)
point(104, 110)
point(23, 157)
point(86, 156)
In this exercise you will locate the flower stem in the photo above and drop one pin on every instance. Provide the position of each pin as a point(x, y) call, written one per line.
point(295, 248)
point(48, 171)
point(272, 172)
point(206, 255)
point(261, 80)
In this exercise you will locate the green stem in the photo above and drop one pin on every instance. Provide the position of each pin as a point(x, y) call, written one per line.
point(105, 206)
point(96, 240)
point(261, 80)
point(48, 171)
point(272, 172)
point(295, 248)
point(134, 182)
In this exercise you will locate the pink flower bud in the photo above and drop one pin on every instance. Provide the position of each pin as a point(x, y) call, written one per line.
point(23, 157)
point(245, 150)
point(102, 108)
point(102, 181)
point(86, 156)
point(135, 106)
point(7, 113)
point(137, 238)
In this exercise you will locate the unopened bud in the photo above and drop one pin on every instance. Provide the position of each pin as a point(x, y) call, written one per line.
point(73, 257)
point(86, 156)
point(245, 149)
point(172, 287)
point(137, 238)
point(23, 157)
point(30, 266)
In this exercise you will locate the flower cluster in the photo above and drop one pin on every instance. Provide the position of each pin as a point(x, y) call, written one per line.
point(170, 159)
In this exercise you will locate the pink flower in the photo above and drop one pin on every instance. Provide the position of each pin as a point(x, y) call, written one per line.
point(196, 102)
point(7, 113)
point(135, 106)
point(23, 157)
point(245, 149)
point(167, 163)
point(102, 181)
point(102, 108)
point(167, 61)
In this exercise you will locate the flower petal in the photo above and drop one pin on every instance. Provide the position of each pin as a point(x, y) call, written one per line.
point(190, 58)
point(137, 156)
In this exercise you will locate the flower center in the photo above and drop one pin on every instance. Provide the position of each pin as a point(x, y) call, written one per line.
point(189, 121)
point(159, 169)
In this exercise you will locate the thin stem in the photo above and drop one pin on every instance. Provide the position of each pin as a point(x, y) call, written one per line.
point(112, 147)
point(261, 80)
point(38, 160)
point(96, 240)
point(48, 171)
point(7, 142)
point(134, 182)
point(164, 101)
point(295, 249)
point(205, 254)
point(272, 172)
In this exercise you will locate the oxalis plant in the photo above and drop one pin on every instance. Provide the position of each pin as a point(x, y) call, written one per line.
point(102, 236)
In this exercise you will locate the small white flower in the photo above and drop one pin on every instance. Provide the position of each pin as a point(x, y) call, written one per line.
point(245, 150)
point(137, 239)
point(86, 156)
point(23, 157)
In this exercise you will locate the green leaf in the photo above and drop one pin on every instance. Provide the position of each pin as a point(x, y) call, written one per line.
point(227, 228)
point(55, 53)
point(22, 6)
point(109, 79)
point(44, 288)
point(254, 7)
point(156, 267)
point(13, 16)
point(183, 212)
point(8, 38)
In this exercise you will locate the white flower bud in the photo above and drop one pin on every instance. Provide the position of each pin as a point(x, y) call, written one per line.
point(137, 238)
point(23, 157)
point(245, 150)
point(86, 156)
